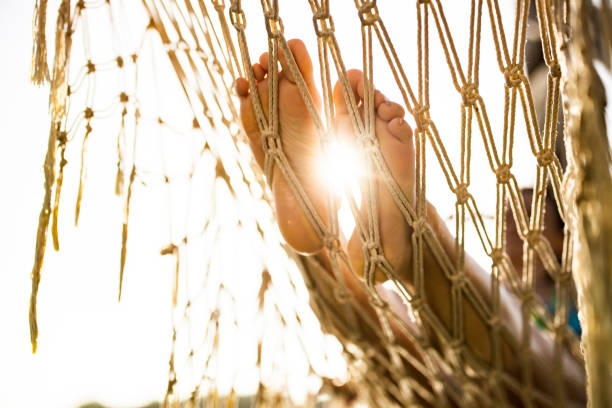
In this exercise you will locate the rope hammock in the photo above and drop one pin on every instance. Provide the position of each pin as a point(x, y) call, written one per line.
point(420, 355)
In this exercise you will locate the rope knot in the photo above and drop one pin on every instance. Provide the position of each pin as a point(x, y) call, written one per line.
point(462, 193)
point(458, 280)
point(503, 174)
point(456, 346)
point(564, 277)
point(274, 25)
point(219, 5)
point(555, 69)
point(341, 295)
point(417, 304)
point(323, 23)
point(513, 75)
point(527, 298)
point(421, 117)
point(369, 143)
point(237, 17)
point(469, 94)
point(373, 251)
point(62, 137)
point(494, 322)
point(91, 67)
point(332, 243)
point(170, 249)
point(217, 66)
point(533, 238)
point(494, 378)
point(377, 301)
point(545, 157)
point(497, 256)
point(368, 13)
point(271, 141)
point(419, 226)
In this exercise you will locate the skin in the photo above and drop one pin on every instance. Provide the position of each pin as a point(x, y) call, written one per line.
point(394, 135)
point(553, 231)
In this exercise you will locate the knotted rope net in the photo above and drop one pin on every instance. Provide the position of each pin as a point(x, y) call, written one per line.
point(218, 204)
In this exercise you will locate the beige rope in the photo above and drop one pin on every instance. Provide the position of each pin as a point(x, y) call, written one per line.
point(467, 85)
point(441, 368)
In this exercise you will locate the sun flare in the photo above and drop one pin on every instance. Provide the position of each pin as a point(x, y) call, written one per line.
point(340, 170)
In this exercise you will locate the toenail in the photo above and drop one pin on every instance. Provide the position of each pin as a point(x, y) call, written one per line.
point(395, 128)
point(396, 121)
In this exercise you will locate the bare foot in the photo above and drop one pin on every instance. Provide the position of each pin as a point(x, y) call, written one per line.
point(299, 141)
point(300, 144)
point(395, 139)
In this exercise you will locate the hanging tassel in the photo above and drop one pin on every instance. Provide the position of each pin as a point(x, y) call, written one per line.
point(63, 42)
point(58, 189)
point(266, 279)
point(40, 69)
point(119, 178)
point(83, 172)
point(41, 235)
point(57, 103)
point(124, 231)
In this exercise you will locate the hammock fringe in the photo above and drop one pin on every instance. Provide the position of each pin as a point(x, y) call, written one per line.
point(40, 69)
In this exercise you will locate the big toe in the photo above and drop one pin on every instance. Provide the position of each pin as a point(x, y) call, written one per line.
point(302, 60)
point(395, 137)
point(400, 129)
point(395, 141)
point(343, 97)
point(355, 91)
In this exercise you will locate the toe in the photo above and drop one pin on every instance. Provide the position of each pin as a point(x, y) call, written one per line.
point(263, 61)
point(247, 113)
point(339, 101)
point(379, 98)
point(390, 110)
point(302, 59)
point(242, 87)
point(395, 138)
point(355, 80)
point(258, 71)
point(400, 129)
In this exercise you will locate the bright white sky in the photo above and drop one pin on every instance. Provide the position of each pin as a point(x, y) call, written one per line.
point(91, 347)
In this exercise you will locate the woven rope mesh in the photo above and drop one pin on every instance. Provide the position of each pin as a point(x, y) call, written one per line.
point(164, 86)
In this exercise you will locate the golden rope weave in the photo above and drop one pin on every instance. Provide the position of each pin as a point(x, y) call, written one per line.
point(452, 372)
point(542, 144)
